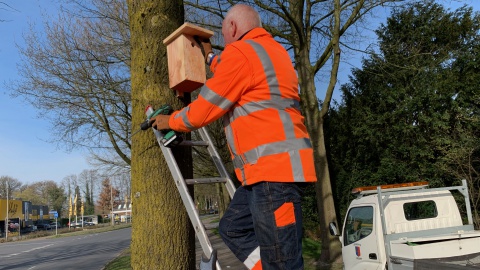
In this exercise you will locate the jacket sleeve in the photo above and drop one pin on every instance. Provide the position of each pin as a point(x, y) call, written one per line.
point(213, 65)
point(232, 76)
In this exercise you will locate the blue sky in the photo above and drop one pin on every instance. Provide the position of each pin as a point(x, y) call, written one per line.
point(25, 153)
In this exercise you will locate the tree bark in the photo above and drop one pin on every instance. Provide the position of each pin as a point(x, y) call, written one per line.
point(331, 248)
point(162, 235)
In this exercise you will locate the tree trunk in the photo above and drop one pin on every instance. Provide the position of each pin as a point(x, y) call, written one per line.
point(162, 235)
point(331, 249)
point(314, 116)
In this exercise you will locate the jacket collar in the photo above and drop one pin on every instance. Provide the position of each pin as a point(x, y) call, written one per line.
point(253, 33)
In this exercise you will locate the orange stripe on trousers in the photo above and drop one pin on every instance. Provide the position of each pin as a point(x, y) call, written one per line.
point(258, 265)
point(285, 215)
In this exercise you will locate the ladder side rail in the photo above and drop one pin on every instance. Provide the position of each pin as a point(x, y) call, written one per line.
point(186, 198)
point(218, 161)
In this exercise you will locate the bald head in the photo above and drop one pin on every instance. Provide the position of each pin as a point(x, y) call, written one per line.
point(239, 20)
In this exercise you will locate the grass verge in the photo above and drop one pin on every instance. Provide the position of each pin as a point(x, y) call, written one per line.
point(122, 262)
point(92, 230)
point(311, 253)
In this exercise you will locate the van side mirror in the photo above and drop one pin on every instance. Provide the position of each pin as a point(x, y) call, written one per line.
point(332, 227)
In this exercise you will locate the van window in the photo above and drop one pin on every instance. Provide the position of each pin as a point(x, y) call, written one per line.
point(420, 210)
point(359, 224)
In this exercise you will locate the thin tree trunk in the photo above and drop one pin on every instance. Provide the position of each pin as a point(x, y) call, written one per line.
point(162, 235)
point(314, 116)
point(331, 248)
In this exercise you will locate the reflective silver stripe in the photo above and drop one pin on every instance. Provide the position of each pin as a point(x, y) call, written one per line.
point(295, 159)
point(229, 132)
point(298, 174)
point(231, 143)
point(238, 162)
point(215, 98)
point(253, 258)
point(268, 68)
point(183, 114)
point(291, 145)
point(209, 96)
point(284, 116)
point(254, 106)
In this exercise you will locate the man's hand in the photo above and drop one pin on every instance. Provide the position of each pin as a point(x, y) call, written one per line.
point(160, 122)
point(205, 46)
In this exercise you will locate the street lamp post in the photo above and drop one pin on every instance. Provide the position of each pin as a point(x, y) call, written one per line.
point(6, 220)
point(111, 204)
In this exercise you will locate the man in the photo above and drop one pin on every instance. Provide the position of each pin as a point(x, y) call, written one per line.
point(255, 89)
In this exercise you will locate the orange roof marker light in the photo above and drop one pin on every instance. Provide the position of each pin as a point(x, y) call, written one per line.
point(403, 186)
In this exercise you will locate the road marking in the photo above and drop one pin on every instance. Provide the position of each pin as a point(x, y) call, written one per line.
point(25, 251)
point(29, 244)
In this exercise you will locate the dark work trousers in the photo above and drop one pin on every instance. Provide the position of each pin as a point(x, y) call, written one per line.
point(266, 215)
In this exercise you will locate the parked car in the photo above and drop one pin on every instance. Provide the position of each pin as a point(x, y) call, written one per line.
point(79, 224)
point(43, 225)
point(74, 224)
point(54, 225)
point(31, 228)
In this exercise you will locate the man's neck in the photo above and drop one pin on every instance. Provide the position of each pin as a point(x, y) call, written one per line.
point(244, 34)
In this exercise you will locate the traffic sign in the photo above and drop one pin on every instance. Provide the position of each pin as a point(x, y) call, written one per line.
point(54, 213)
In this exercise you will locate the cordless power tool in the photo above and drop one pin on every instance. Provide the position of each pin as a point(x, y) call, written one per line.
point(170, 137)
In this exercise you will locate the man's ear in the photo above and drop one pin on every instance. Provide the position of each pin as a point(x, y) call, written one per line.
point(234, 29)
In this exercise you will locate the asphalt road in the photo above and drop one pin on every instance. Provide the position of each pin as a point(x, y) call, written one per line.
point(90, 251)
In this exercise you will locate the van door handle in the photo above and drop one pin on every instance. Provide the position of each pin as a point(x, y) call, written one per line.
point(372, 256)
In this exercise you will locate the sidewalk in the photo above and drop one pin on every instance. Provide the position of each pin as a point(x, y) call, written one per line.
point(225, 256)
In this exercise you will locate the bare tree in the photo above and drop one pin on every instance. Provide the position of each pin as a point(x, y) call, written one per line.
point(313, 32)
point(69, 183)
point(90, 182)
point(93, 179)
point(12, 184)
point(122, 182)
point(77, 75)
point(6, 7)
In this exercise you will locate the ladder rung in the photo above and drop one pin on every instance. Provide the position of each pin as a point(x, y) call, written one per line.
point(194, 143)
point(206, 180)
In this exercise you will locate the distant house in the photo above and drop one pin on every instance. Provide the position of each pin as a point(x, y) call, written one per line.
point(123, 213)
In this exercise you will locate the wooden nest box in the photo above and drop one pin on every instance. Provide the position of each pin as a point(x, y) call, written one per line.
point(186, 64)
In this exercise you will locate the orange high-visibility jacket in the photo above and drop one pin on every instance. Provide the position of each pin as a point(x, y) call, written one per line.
point(255, 89)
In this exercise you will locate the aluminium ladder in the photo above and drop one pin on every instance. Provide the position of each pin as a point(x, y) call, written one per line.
point(182, 183)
